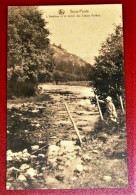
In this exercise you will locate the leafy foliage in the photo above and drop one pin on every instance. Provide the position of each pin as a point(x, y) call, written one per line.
point(29, 53)
point(108, 74)
point(57, 76)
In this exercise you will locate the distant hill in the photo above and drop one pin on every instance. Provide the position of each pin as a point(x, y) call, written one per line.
point(89, 59)
point(70, 66)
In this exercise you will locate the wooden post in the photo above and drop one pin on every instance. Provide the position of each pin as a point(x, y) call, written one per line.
point(99, 108)
point(74, 125)
point(121, 102)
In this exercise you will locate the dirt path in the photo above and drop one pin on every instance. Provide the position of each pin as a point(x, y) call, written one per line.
point(61, 163)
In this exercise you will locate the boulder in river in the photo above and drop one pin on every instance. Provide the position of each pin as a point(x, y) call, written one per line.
point(86, 158)
point(60, 177)
point(31, 173)
point(107, 178)
point(24, 167)
point(67, 145)
point(53, 151)
point(22, 178)
point(79, 168)
point(8, 186)
point(9, 158)
point(41, 156)
point(35, 147)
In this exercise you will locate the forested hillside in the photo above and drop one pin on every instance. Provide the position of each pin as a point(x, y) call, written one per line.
point(69, 67)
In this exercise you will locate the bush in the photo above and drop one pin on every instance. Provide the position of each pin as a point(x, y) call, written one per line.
point(29, 53)
point(108, 70)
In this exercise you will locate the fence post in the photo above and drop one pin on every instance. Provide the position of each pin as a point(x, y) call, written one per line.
point(121, 102)
point(99, 107)
point(74, 125)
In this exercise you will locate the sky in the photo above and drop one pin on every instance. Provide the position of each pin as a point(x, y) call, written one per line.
point(82, 28)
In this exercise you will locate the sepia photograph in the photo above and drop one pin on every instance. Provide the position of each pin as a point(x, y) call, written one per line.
point(66, 106)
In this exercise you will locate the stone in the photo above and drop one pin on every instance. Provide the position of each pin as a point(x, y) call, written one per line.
point(79, 168)
point(67, 145)
point(14, 155)
point(60, 177)
point(8, 186)
point(61, 168)
point(95, 151)
point(33, 156)
point(13, 170)
point(25, 104)
point(103, 137)
point(40, 142)
point(9, 153)
point(86, 158)
point(41, 156)
point(70, 156)
point(31, 173)
point(35, 111)
point(43, 168)
point(37, 125)
point(62, 151)
point(74, 178)
point(52, 160)
point(59, 159)
point(74, 137)
point(107, 178)
point(25, 151)
point(77, 148)
point(53, 151)
point(9, 158)
point(34, 148)
point(24, 167)
point(21, 178)
point(86, 169)
point(26, 156)
point(17, 158)
point(11, 179)
point(53, 137)
point(54, 164)
point(40, 175)
point(20, 154)
point(67, 163)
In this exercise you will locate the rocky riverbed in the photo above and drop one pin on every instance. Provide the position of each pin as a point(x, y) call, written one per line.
point(43, 149)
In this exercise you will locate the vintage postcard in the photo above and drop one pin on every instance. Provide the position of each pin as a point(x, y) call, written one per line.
point(66, 107)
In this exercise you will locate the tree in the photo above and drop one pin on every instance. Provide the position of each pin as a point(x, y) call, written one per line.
point(57, 76)
point(29, 53)
point(108, 70)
